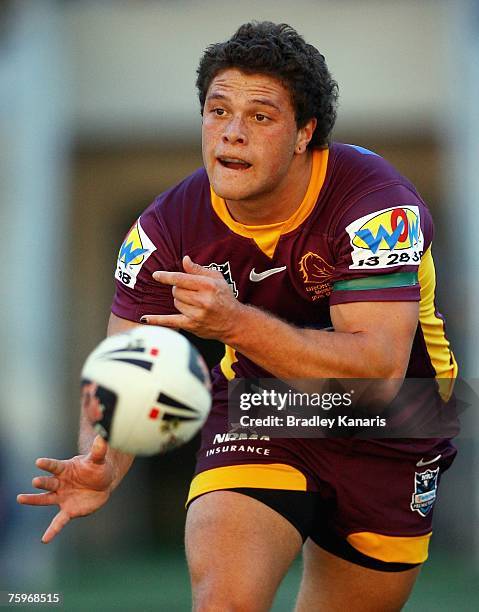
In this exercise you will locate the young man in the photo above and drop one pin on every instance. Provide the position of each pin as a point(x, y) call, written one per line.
point(279, 237)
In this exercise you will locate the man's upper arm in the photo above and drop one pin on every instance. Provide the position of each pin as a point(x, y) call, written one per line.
point(378, 244)
point(388, 330)
point(147, 248)
point(117, 325)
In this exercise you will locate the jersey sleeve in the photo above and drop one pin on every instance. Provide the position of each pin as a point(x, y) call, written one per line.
point(148, 247)
point(378, 245)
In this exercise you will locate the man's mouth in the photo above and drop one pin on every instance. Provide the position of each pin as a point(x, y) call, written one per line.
point(233, 163)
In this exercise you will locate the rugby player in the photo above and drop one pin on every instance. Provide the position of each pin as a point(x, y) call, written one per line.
point(281, 235)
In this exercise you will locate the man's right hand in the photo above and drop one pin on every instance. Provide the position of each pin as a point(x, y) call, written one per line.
point(79, 486)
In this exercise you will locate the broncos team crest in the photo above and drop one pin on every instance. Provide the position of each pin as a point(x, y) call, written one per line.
point(225, 270)
point(134, 251)
point(425, 491)
point(317, 275)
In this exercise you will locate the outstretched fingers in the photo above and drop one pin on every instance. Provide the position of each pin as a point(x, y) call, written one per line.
point(173, 321)
point(58, 523)
point(181, 279)
point(98, 450)
point(48, 483)
point(37, 499)
point(54, 466)
point(191, 267)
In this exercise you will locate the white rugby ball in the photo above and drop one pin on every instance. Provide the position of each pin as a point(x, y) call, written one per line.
point(153, 390)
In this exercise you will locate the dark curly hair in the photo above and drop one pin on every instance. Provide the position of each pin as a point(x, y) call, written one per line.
point(278, 51)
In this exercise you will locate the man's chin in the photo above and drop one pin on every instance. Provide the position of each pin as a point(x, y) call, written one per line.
point(232, 193)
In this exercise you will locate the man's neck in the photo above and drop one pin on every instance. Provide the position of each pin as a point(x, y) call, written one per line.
point(280, 204)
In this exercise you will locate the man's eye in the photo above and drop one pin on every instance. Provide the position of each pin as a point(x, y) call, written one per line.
point(219, 111)
point(259, 117)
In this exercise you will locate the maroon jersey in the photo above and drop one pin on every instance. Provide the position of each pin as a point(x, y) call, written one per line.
point(362, 233)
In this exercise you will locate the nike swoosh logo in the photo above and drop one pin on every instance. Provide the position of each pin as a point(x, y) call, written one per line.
point(422, 462)
point(259, 276)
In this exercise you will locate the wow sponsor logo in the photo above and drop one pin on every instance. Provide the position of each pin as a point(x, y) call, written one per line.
point(134, 251)
point(387, 238)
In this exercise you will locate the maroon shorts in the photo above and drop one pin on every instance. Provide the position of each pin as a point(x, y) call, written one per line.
point(368, 501)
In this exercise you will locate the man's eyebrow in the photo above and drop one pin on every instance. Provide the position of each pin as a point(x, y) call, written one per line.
point(266, 102)
point(262, 101)
point(216, 96)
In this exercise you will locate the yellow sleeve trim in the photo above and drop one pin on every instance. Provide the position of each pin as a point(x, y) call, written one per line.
point(392, 549)
point(256, 475)
point(229, 358)
point(438, 348)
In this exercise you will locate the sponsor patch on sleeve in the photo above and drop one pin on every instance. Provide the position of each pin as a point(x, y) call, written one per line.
point(134, 251)
point(386, 238)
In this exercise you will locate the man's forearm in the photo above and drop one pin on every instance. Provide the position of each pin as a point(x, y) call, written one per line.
point(291, 352)
point(371, 339)
point(120, 462)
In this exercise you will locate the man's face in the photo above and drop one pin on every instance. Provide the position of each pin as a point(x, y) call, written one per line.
point(249, 135)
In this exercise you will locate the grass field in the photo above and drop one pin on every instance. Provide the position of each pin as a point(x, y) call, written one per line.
point(158, 582)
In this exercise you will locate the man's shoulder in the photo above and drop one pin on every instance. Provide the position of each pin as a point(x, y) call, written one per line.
point(356, 173)
point(182, 215)
point(369, 199)
point(356, 160)
point(178, 203)
point(192, 191)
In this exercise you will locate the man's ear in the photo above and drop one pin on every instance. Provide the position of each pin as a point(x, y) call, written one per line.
point(304, 135)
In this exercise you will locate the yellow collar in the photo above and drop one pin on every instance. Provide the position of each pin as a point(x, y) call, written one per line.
point(267, 236)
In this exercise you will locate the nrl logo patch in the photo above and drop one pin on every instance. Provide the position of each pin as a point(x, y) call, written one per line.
point(425, 491)
point(225, 270)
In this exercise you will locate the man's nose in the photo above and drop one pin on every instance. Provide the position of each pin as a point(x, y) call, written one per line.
point(235, 132)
